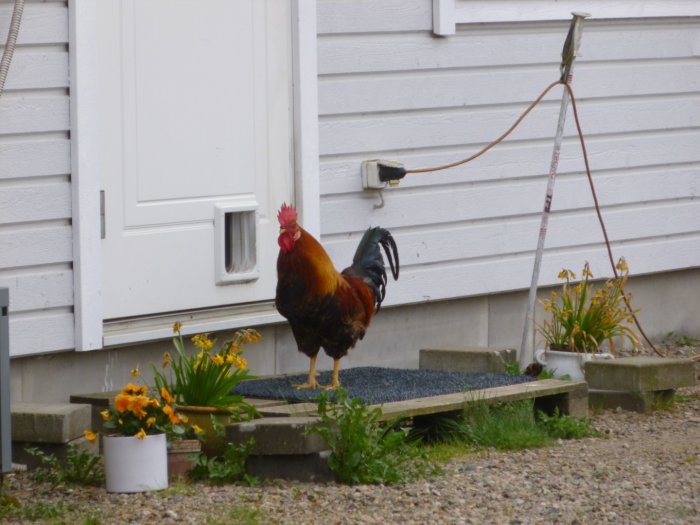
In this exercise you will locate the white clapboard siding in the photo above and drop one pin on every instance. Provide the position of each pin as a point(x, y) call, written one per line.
point(36, 240)
point(483, 238)
point(30, 245)
point(492, 200)
point(33, 112)
point(390, 89)
point(42, 23)
point(35, 201)
point(464, 88)
point(491, 47)
point(409, 130)
point(38, 68)
point(26, 157)
point(523, 159)
point(372, 16)
point(42, 331)
point(31, 290)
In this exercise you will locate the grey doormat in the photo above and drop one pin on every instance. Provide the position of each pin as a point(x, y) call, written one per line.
point(378, 385)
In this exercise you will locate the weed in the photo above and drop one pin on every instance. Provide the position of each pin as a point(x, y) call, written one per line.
point(226, 468)
point(682, 340)
point(546, 374)
point(238, 515)
point(362, 449)
point(566, 427)
point(80, 467)
point(512, 368)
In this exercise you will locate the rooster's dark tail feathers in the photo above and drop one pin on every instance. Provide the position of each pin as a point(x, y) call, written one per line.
point(368, 262)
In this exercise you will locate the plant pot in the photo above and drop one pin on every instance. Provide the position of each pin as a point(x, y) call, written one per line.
point(212, 444)
point(564, 363)
point(135, 465)
point(180, 456)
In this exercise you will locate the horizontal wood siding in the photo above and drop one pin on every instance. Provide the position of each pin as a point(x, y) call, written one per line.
point(35, 194)
point(390, 89)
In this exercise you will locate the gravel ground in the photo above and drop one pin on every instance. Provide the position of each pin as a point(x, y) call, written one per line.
point(645, 471)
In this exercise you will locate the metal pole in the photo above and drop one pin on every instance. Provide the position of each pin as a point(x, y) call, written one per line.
point(568, 54)
point(5, 416)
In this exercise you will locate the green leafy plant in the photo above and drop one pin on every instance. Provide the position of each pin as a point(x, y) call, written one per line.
point(229, 467)
point(81, 467)
point(583, 317)
point(560, 426)
point(207, 377)
point(362, 449)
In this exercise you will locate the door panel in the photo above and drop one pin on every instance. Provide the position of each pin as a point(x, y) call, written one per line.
point(196, 117)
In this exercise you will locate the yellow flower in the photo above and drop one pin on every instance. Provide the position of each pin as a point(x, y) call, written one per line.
point(203, 341)
point(135, 372)
point(183, 418)
point(150, 421)
point(106, 416)
point(176, 327)
point(622, 265)
point(251, 336)
point(140, 434)
point(90, 436)
point(197, 429)
point(217, 360)
point(586, 272)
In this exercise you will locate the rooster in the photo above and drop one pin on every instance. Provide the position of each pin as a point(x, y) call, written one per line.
point(326, 308)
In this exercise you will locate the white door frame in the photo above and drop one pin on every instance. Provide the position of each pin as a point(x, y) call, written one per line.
point(85, 176)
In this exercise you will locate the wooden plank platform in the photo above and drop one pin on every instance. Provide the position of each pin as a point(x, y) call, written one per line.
point(571, 397)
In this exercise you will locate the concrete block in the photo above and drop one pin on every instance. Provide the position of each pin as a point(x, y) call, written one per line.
point(572, 403)
point(632, 401)
point(640, 374)
point(278, 435)
point(299, 467)
point(468, 359)
point(49, 423)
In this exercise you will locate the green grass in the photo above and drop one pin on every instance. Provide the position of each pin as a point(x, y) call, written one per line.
point(504, 426)
point(238, 515)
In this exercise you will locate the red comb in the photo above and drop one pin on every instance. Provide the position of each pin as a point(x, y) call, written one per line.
point(287, 215)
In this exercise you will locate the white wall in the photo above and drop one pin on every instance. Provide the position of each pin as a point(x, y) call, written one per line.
point(389, 88)
point(35, 194)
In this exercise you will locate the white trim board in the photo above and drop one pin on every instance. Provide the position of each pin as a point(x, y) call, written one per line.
point(448, 13)
point(85, 180)
point(305, 97)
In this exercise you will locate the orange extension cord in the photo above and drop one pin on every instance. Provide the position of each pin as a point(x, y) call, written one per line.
point(588, 174)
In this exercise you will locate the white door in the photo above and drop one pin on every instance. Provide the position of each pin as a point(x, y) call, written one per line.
point(195, 150)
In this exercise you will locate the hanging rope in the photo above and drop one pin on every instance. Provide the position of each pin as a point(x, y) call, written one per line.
point(10, 42)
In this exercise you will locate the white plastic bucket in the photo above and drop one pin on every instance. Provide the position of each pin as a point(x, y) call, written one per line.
point(135, 465)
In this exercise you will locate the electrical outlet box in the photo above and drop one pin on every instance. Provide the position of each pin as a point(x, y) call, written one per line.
point(371, 179)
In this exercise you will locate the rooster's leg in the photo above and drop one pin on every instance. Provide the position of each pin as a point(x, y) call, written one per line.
point(335, 379)
point(311, 380)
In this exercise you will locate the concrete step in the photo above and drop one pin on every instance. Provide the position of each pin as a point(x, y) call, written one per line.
point(466, 359)
point(49, 423)
point(637, 383)
point(278, 435)
point(640, 374)
point(283, 448)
